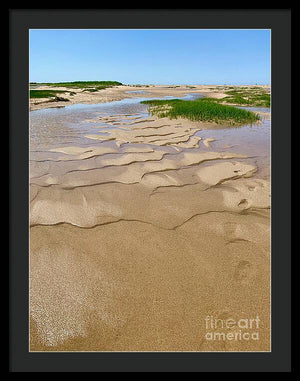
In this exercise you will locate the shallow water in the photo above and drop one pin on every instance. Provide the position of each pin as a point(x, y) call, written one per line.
point(54, 127)
point(253, 140)
point(136, 92)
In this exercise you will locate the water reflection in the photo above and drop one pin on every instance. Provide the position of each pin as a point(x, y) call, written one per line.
point(54, 127)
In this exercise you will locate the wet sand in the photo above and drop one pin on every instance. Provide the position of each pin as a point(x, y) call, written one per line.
point(142, 227)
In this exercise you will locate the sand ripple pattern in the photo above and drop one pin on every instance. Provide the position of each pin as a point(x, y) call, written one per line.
point(88, 186)
point(153, 181)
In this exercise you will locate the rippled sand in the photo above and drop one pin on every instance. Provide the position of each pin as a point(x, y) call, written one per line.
point(136, 238)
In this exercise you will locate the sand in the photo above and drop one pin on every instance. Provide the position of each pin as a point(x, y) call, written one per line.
point(117, 93)
point(133, 245)
point(108, 95)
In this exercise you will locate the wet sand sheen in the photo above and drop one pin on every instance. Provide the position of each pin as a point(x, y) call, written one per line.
point(135, 242)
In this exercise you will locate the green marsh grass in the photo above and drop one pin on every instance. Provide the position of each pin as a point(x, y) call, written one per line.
point(202, 109)
point(251, 96)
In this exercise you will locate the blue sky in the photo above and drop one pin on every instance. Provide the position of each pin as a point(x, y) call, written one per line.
point(151, 56)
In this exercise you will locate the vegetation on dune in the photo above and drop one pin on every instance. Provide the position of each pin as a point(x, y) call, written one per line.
point(256, 96)
point(44, 93)
point(202, 109)
point(251, 96)
point(90, 86)
point(139, 85)
point(79, 84)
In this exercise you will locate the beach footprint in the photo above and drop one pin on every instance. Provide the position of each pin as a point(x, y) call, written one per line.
point(243, 204)
point(243, 272)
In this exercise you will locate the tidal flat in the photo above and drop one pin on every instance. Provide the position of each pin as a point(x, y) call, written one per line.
point(142, 224)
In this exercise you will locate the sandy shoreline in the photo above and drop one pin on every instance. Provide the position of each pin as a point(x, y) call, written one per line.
point(139, 235)
point(118, 93)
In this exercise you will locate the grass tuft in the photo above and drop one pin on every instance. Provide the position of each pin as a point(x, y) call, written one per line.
point(202, 109)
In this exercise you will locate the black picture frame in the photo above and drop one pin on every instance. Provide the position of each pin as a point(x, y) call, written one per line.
point(279, 21)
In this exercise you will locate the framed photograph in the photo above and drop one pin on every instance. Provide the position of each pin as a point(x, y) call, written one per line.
point(150, 181)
